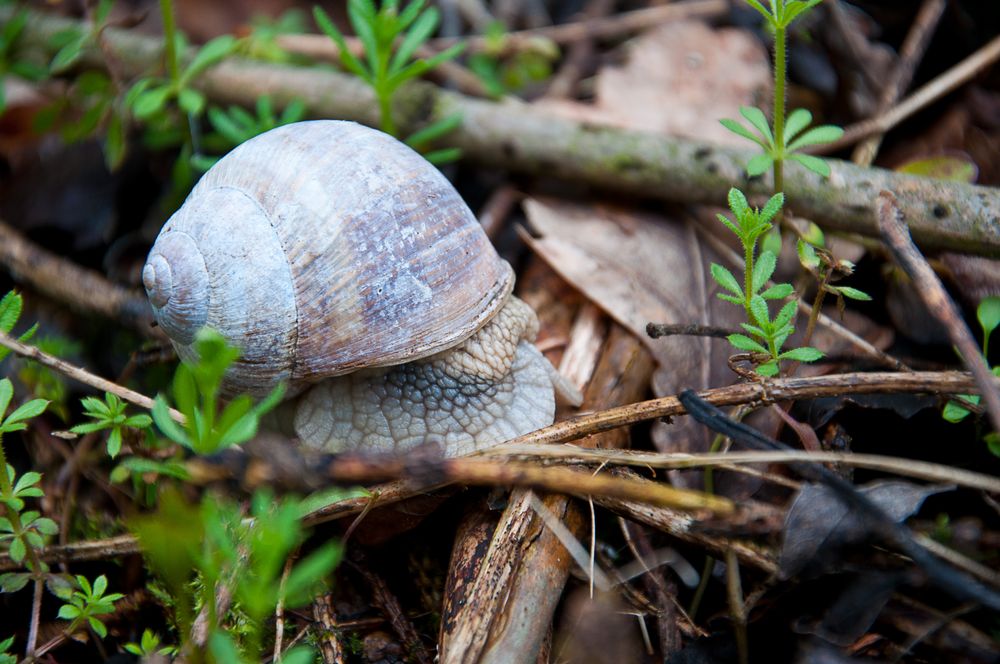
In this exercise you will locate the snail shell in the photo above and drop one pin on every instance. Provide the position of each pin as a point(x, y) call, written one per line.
point(320, 248)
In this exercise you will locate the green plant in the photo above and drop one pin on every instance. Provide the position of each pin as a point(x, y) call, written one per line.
point(502, 70)
point(202, 552)
point(391, 38)
point(785, 139)
point(196, 393)
point(988, 315)
point(110, 414)
point(149, 645)
point(85, 604)
point(5, 656)
point(26, 69)
point(768, 335)
point(25, 531)
point(237, 125)
point(262, 42)
point(10, 312)
point(72, 41)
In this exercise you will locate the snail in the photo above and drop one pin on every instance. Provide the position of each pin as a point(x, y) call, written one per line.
point(346, 266)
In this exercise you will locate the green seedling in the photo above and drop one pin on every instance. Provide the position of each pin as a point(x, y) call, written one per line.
point(9, 63)
point(87, 603)
point(200, 552)
point(110, 414)
point(503, 71)
point(988, 315)
point(391, 37)
point(767, 335)
point(149, 645)
point(785, 139)
point(237, 125)
point(196, 392)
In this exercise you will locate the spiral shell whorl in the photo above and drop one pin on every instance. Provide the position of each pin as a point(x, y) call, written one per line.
point(328, 247)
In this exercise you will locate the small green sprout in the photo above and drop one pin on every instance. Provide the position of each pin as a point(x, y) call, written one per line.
point(391, 37)
point(767, 335)
point(149, 645)
point(196, 392)
point(86, 604)
point(110, 414)
point(794, 137)
point(988, 315)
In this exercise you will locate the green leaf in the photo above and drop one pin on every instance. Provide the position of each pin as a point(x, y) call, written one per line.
point(743, 342)
point(797, 120)
point(738, 204)
point(761, 10)
point(169, 428)
point(191, 101)
point(988, 313)
point(814, 164)
point(139, 421)
point(434, 131)
point(33, 408)
point(786, 315)
point(418, 34)
point(114, 442)
point(768, 369)
point(67, 55)
point(222, 647)
point(46, 526)
point(350, 62)
point(778, 292)
point(759, 164)
point(738, 129)
point(150, 102)
point(993, 443)
point(445, 55)
point(29, 479)
point(851, 293)
point(309, 572)
point(955, 413)
point(756, 118)
point(758, 307)
point(6, 392)
point(726, 279)
point(772, 207)
point(730, 225)
point(443, 156)
point(16, 550)
point(807, 255)
point(98, 627)
point(816, 136)
point(68, 612)
point(10, 311)
point(763, 269)
point(90, 427)
point(209, 54)
point(114, 142)
point(298, 655)
point(11, 583)
point(804, 354)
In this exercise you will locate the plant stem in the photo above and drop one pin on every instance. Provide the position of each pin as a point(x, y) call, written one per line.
point(748, 281)
point(779, 110)
point(170, 37)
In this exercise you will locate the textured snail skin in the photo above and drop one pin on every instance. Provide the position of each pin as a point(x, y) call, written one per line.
point(343, 264)
point(493, 387)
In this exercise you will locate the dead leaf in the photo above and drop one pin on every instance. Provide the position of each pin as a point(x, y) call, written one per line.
point(819, 526)
point(680, 79)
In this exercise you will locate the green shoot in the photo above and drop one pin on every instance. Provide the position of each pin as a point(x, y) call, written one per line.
point(85, 604)
point(786, 138)
point(391, 38)
point(149, 645)
point(196, 391)
point(110, 414)
point(767, 335)
point(237, 125)
point(988, 315)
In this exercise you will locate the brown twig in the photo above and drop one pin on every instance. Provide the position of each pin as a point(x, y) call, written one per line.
point(958, 75)
point(948, 215)
point(657, 330)
point(389, 604)
point(81, 375)
point(325, 630)
point(611, 27)
point(910, 54)
point(68, 283)
point(932, 292)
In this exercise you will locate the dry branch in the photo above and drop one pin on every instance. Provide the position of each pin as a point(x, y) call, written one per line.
point(943, 215)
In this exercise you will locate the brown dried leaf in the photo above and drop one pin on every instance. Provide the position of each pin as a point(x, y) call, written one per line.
point(680, 79)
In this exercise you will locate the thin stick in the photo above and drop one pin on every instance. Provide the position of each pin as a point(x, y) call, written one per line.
point(82, 375)
point(932, 292)
point(924, 470)
point(66, 282)
point(961, 73)
point(910, 54)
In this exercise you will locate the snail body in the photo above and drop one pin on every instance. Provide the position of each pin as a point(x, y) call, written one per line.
point(343, 264)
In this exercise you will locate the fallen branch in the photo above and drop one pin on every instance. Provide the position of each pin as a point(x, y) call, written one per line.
point(943, 215)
